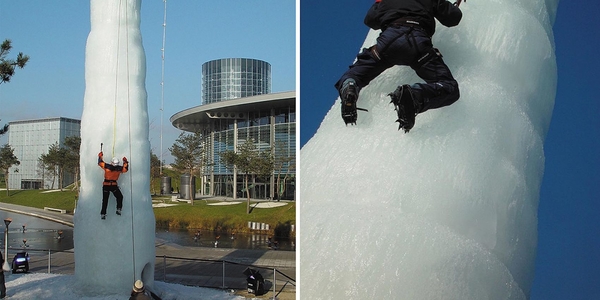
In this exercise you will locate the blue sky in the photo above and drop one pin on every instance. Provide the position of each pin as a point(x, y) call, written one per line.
point(53, 33)
point(568, 258)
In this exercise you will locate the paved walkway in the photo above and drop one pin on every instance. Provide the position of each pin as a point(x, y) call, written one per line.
point(197, 266)
point(57, 217)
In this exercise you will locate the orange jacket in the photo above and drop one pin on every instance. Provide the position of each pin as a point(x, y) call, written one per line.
point(111, 173)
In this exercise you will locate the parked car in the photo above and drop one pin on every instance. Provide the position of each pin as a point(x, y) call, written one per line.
point(20, 262)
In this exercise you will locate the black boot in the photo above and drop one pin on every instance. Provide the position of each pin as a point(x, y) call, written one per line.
point(403, 101)
point(349, 95)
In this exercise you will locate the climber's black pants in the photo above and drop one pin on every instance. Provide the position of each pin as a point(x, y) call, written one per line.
point(408, 46)
point(106, 190)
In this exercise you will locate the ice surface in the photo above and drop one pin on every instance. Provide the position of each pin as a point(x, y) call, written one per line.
point(111, 254)
point(449, 210)
point(64, 287)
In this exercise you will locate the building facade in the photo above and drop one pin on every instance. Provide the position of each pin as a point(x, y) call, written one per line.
point(232, 78)
point(237, 105)
point(268, 119)
point(32, 138)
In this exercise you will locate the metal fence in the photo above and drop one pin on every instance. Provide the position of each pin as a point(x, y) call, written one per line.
point(218, 274)
point(209, 273)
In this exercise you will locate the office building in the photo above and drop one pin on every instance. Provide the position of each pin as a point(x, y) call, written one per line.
point(32, 138)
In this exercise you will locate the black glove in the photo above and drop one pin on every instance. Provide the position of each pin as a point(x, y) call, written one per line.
point(125, 160)
point(100, 154)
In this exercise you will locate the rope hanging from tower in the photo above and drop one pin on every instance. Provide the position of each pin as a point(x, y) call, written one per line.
point(128, 96)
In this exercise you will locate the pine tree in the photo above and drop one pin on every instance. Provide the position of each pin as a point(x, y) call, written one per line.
point(4, 129)
point(7, 66)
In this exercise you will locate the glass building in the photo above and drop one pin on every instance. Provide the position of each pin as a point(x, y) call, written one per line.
point(32, 138)
point(268, 119)
point(231, 78)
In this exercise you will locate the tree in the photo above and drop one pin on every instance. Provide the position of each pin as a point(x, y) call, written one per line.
point(154, 170)
point(249, 161)
point(49, 162)
point(188, 151)
point(44, 171)
point(7, 66)
point(4, 129)
point(7, 160)
point(283, 164)
point(57, 159)
point(73, 145)
point(48, 168)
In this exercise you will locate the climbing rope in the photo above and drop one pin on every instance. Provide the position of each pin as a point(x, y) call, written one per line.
point(129, 139)
point(116, 83)
point(128, 77)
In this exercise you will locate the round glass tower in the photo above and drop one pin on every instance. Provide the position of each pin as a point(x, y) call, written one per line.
point(231, 78)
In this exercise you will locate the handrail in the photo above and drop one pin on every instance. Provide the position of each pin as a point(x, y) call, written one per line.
point(288, 280)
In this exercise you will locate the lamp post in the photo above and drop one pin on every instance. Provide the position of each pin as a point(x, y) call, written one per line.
point(5, 266)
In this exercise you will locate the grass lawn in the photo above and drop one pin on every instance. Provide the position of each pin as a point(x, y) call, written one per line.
point(201, 215)
point(40, 199)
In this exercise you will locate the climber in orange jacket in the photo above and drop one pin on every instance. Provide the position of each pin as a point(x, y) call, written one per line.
point(111, 175)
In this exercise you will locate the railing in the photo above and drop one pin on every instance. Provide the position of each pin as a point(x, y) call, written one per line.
point(209, 273)
point(218, 274)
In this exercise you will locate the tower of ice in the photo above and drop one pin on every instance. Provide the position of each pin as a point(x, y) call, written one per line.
point(449, 210)
point(111, 254)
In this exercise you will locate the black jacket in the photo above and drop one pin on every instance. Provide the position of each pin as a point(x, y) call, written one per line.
point(384, 13)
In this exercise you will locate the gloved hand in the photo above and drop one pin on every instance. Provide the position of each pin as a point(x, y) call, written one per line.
point(100, 154)
point(125, 160)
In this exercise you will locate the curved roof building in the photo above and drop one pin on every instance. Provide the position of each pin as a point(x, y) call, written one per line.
point(269, 120)
point(201, 116)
